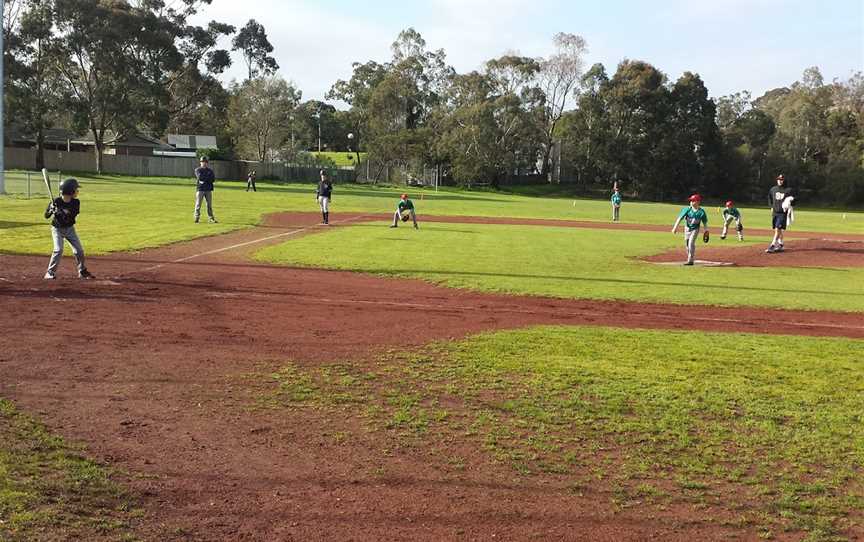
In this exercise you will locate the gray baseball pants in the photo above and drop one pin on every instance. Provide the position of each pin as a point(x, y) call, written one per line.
point(58, 235)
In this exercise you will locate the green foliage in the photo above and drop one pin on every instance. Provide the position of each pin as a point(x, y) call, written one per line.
point(257, 116)
point(253, 44)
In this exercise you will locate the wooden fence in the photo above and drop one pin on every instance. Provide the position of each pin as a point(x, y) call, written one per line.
point(164, 166)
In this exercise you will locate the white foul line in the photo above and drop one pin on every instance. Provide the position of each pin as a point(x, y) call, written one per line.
point(239, 245)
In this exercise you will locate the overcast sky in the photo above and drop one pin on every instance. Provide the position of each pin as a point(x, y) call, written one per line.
point(733, 45)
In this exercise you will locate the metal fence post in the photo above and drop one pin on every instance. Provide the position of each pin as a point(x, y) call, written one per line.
point(28, 185)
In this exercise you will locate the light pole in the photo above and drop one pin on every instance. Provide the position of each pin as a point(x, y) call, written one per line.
point(291, 121)
point(318, 116)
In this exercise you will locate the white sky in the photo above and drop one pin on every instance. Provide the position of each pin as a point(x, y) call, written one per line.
point(734, 45)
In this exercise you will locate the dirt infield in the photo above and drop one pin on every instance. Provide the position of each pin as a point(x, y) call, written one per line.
point(798, 253)
point(144, 366)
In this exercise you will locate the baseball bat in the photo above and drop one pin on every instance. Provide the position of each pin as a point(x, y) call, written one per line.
point(47, 183)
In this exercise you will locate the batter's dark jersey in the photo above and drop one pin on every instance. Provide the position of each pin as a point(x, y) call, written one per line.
point(205, 178)
point(325, 189)
point(64, 213)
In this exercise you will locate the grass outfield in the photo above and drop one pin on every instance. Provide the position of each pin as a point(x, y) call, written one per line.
point(768, 428)
point(121, 213)
point(48, 491)
point(566, 262)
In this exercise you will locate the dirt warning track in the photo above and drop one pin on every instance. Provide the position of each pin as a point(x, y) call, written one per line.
point(149, 377)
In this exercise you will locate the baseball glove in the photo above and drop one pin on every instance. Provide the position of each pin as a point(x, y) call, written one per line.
point(705, 237)
point(406, 215)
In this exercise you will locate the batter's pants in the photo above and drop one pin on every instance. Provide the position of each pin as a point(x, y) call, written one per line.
point(199, 195)
point(58, 235)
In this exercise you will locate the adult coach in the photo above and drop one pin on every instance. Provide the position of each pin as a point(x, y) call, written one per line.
point(324, 195)
point(204, 178)
point(776, 196)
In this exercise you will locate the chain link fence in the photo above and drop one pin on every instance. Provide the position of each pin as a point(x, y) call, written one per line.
point(29, 184)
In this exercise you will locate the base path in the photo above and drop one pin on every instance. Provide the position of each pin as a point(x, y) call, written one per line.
point(145, 367)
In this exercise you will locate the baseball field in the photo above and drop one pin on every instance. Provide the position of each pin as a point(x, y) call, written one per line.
point(518, 368)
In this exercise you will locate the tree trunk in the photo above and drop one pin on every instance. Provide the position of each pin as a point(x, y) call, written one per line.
point(97, 147)
point(40, 149)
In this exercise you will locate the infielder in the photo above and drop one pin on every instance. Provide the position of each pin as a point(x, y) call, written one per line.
point(65, 208)
point(404, 211)
point(616, 205)
point(323, 195)
point(693, 216)
point(780, 198)
point(730, 213)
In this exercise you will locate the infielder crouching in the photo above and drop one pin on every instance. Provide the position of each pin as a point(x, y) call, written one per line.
point(404, 208)
point(693, 216)
point(730, 213)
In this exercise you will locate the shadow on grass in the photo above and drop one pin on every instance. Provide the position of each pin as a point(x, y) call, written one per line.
point(6, 225)
point(426, 273)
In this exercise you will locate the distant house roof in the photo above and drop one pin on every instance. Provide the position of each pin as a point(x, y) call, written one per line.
point(181, 141)
point(112, 139)
point(52, 135)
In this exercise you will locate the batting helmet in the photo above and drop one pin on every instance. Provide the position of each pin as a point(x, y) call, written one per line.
point(695, 197)
point(69, 186)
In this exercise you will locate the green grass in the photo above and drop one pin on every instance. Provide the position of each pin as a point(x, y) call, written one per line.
point(49, 491)
point(566, 262)
point(122, 213)
point(127, 214)
point(770, 429)
point(341, 159)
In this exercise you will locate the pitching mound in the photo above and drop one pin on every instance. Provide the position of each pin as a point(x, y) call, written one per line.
point(798, 253)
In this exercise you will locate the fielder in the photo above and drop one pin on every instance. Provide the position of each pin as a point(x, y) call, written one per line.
point(730, 213)
point(694, 217)
point(404, 211)
point(324, 195)
point(616, 205)
point(781, 199)
point(65, 209)
point(204, 179)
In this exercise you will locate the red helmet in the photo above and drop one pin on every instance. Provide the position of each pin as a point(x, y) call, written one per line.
point(403, 196)
point(729, 203)
point(696, 198)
